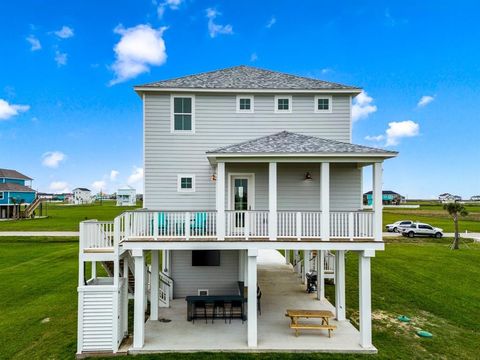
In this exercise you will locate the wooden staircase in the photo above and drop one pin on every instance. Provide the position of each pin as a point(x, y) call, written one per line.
point(28, 212)
point(108, 266)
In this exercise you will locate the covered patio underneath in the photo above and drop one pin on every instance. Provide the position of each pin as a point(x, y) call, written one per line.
point(281, 290)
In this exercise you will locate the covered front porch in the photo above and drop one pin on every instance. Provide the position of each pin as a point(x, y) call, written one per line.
point(282, 289)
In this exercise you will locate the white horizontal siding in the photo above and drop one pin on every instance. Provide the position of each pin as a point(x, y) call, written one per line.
point(218, 124)
point(219, 280)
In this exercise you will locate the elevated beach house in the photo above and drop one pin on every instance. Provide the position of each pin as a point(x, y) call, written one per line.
point(16, 193)
point(238, 163)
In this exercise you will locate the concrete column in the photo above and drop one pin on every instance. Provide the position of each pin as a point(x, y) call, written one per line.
point(272, 200)
point(325, 200)
point(320, 275)
point(340, 284)
point(365, 298)
point(252, 298)
point(154, 286)
point(220, 200)
point(241, 266)
point(377, 204)
point(139, 310)
point(287, 256)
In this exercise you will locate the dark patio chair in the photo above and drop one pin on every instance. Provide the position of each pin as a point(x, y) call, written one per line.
point(219, 305)
point(199, 310)
point(236, 310)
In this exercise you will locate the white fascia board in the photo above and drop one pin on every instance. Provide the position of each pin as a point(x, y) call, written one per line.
point(247, 245)
point(367, 158)
point(139, 90)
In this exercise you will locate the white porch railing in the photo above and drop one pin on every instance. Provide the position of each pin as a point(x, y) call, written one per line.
point(351, 224)
point(96, 234)
point(299, 224)
point(246, 224)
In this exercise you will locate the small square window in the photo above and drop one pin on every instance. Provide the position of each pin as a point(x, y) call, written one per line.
point(323, 104)
point(283, 103)
point(186, 183)
point(245, 104)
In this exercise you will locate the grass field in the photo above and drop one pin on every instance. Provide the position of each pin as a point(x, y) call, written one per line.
point(67, 217)
point(436, 287)
point(434, 214)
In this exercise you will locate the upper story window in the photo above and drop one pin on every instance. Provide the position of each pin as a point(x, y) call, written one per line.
point(1, 195)
point(186, 183)
point(283, 104)
point(323, 104)
point(244, 103)
point(183, 114)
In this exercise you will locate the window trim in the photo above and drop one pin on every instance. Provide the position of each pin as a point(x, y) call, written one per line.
point(179, 183)
point(290, 102)
point(172, 114)
point(315, 104)
point(252, 104)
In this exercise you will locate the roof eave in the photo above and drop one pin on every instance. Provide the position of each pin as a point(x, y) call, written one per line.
point(142, 89)
point(212, 156)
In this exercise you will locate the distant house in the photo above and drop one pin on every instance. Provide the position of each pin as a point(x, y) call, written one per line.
point(81, 196)
point(475, 198)
point(388, 198)
point(14, 192)
point(126, 196)
point(447, 197)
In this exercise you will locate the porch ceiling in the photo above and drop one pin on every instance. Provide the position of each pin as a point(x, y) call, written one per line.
point(281, 290)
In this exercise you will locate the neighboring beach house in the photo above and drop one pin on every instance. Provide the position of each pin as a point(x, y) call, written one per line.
point(126, 196)
point(389, 197)
point(15, 192)
point(237, 162)
point(81, 196)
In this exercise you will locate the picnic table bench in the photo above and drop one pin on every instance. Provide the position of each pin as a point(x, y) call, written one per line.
point(324, 315)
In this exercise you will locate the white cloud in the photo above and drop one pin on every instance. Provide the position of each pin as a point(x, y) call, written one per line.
point(375, 138)
point(139, 48)
point(59, 187)
point(52, 159)
point(8, 110)
point(253, 57)
point(99, 185)
point(425, 100)
point(34, 43)
point(271, 22)
point(401, 129)
point(326, 71)
point(171, 4)
point(362, 106)
point(215, 29)
point(65, 32)
point(136, 176)
point(114, 174)
point(61, 58)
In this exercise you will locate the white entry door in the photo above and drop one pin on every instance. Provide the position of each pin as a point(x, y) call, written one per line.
point(242, 198)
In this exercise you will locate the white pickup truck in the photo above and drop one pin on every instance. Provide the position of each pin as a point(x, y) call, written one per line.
point(420, 229)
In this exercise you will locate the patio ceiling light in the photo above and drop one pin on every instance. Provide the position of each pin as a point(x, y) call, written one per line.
point(308, 176)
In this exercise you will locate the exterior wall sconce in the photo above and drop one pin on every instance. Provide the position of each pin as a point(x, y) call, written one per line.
point(213, 177)
point(308, 176)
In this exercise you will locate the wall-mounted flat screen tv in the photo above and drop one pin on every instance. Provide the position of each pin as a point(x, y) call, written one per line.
point(206, 258)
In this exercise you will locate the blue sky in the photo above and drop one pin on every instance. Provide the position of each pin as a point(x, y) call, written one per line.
point(69, 115)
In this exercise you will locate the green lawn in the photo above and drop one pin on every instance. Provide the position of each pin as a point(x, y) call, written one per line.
point(435, 286)
point(63, 217)
point(434, 214)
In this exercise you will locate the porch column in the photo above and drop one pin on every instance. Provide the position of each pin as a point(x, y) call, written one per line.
point(139, 310)
point(272, 200)
point(320, 275)
point(94, 269)
point(252, 298)
point(340, 284)
point(325, 200)
point(295, 260)
point(220, 199)
point(241, 266)
point(365, 297)
point(287, 256)
point(306, 262)
point(377, 201)
point(154, 286)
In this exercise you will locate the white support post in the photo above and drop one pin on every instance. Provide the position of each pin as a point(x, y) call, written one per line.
point(247, 225)
point(187, 225)
point(365, 299)
point(287, 256)
point(252, 298)
point(164, 263)
point(350, 226)
point(308, 265)
point(154, 285)
point(304, 267)
point(139, 310)
point(325, 200)
point(94, 269)
point(298, 222)
point(320, 275)
point(377, 201)
point(241, 266)
point(295, 259)
point(220, 201)
point(340, 285)
point(125, 298)
point(245, 266)
point(272, 200)
point(155, 226)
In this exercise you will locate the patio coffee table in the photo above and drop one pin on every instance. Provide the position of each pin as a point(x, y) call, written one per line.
point(324, 315)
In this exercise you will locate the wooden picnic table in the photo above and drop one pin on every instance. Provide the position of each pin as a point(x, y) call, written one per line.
point(324, 315)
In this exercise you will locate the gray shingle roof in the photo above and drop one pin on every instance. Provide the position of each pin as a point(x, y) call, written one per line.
point(15, 187)
point(247, 77)
point(13, 174)
point(291, 143)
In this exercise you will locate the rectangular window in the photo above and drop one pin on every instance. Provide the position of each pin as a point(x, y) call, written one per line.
point(1, 195)
point(186, 183)
point(323, 104)
point(183, 114)
point(283, 104)
point(244, 103)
